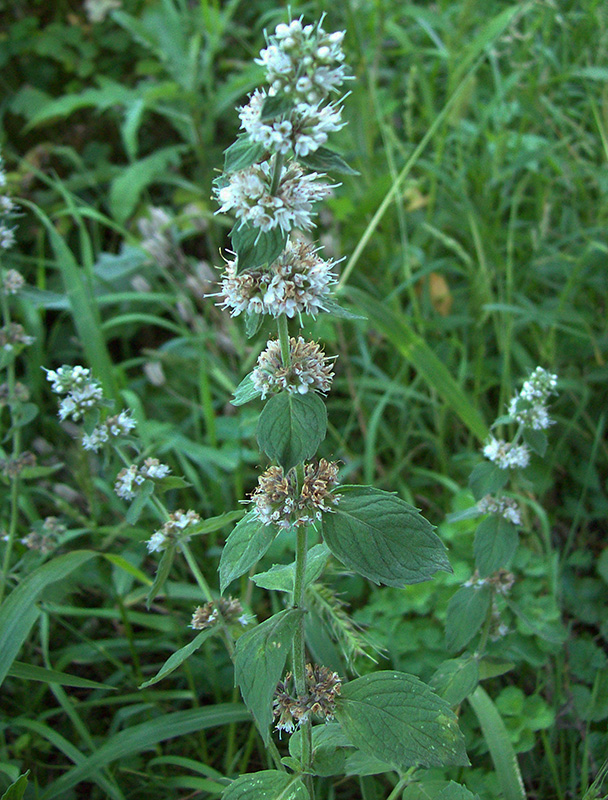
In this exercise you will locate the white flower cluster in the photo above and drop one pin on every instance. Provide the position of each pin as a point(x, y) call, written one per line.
point(8, 209)
point(506, 455)
point(172, 530)
point(306, 129)
point(505, 507)
point(308, 369)
point(83, 393)
point(248, 192)
point(156, 240)
point(129, 479)
point(12, 281)
point(298, 282)
point(304, 61)
point(528, 407)
point(113, 427)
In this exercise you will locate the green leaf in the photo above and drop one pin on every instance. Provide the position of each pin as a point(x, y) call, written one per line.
point(19, 611)
point(466, 613)
point(146, 490)
point(487, 478)
point(29, 672)
point(493, 667)
point(276, 106)
point(247, 543)
point(253, 323)
point(245, 391)
point(400, 720)
point(162, 573)
point(170, 482)
point(536, 441)
point(23, 414)
point(267, 785)
point(499, 745)
point(259, 659)
point(242, 154)
point(456, 679)
point(280, 577)
point(177, 659)
point(455, 791)
point(215, 523)
point(256, 248)
point(495, 544)
point(127, 187)
point(291, 427)
point(325, 160)
point(331, 307)
point(17, 789)
point(329, 748)
point(382, 537)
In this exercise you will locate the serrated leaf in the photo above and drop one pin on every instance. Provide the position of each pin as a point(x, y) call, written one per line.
point(291, 427)
point(487, 478)
point(382, 537)
point(259, 659)
point(325, 160)
point(536, 441)
point(495, 544)
point(177, 659)
point(280, 577)
point(247, 543)
point(466, 613)
point(456, 679)
point(162, 573)
point(255, 247)
point(267, 785)
point(400, 720)
point(245, 391)
point(17, 789)
point(242, 154)
point(276, 106)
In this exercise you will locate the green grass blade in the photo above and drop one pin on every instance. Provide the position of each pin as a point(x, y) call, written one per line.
point(28, 672)
point(148, 734)
point(19, 611)
point(416, 351)
point(499, 745)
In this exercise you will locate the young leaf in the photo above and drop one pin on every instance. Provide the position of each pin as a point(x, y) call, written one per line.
point(456, 679)
point(467, 611)
point(177, 659)
point(325, 160)
point(247, 543)
point(495, 544)
point(245, 391)
point(253, 323)
point(279, 578)
point(267, 784)
point(536, 441)
point(255, 247)
point(400, 720)
point(242, 154)
point(331, 307)
point(382, 537)
point(17, 789)
point(146, 491)
point(276, 106)
point(487, 478)
point(162, 573)
point(291, 427)
point(259, 659)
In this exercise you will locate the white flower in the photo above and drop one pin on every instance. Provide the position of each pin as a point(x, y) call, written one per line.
point(156, 542)
point(173, 530)
point(12, 281)
point(528, 407)
point(152, 468)
point(127, 481)
point(505, 507)
point(308, 369)
point(112, 427)
point(506, 455)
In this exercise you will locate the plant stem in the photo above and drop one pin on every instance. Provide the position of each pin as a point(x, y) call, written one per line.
point(403, 782)
point(284, 339)
point(276, 173)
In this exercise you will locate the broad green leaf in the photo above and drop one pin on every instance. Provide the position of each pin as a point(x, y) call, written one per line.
point(267, 785)
point(276, 106)
point(259, 659)
point(245, 391)
point(329, 747)
point(291, 427)
point(438, 790)
point(17, 789)
point(280, 577)
point(256, 248)
point(247, 543)
point(398, 719)
point(493, 667)
point(127, 187)
point(487, 478)
point(162, 573)
point(29, 672)
point(19, 611)
point(177, 659)
point(242, 154)
point(412, 347)
point(359, 763)
point(455, 791)
point(536, 441)
point(467, 610)
point(497, 740)
point(382, 537)
point(144, 736)
point(456, 679)
point(325, 160)
point(495, 544)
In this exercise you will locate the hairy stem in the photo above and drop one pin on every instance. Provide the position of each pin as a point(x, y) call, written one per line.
point(276, 173)
point(284, 339)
